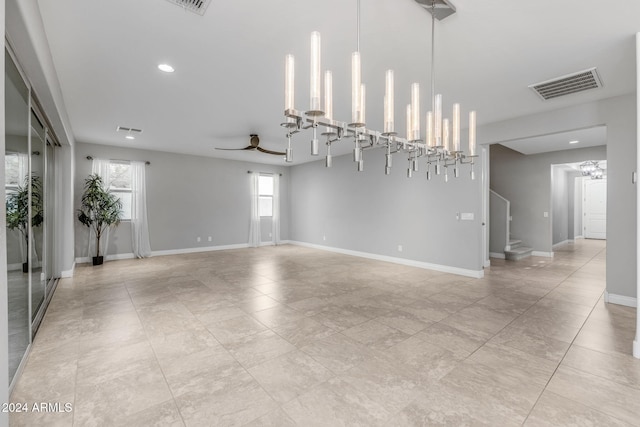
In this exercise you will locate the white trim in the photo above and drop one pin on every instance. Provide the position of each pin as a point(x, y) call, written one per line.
point(564, 242)
point(497, 255)
point(543, 254)
point(636, 349)
point(202, 249)
point(16, 266)
point(578, 237)
point(68, 273)
point(487, 263)
point(114, 257)
point(168, 252)
point(476, 274)
point(620, 300)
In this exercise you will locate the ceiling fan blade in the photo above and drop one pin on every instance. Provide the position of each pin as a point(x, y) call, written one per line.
point(276, 153)
point(236, 149)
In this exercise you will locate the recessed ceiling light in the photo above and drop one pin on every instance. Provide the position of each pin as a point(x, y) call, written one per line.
point(166, 68)
point(574, 142)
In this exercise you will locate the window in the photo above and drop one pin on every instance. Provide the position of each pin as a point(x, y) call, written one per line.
point(121, 186)
point(265, 191)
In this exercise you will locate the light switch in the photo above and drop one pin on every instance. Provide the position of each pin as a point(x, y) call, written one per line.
point(467, 216)
point(545, 214)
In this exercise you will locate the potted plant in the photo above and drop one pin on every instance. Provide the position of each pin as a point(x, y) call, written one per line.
point(99, 210)
point(17, 205)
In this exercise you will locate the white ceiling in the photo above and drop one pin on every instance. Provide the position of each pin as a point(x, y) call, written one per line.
point(590, 137)
point(229, 63)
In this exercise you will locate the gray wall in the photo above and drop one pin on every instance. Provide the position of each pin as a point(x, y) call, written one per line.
point(526, 182)
point(498, 223)
point(563, 196)
point(577, 211)
point(573, 176)
point(559, 204)
point(187, 197)
point(374, 213)
point(619, 115)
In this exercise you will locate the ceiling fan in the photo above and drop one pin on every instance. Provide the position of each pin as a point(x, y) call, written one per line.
point(254, 142)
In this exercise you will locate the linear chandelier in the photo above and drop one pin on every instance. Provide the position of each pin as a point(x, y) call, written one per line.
point(441, 146)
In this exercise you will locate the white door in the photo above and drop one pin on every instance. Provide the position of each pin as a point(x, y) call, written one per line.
point(595, 208)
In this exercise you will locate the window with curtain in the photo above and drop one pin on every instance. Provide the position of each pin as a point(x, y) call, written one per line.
point(127, 181)
point(120, 185)
point(265, 191)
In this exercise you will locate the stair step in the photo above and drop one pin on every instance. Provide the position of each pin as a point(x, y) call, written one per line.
point(514, 243)
point(518, 253)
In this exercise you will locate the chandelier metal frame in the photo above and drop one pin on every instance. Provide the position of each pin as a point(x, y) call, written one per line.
point(436, 150)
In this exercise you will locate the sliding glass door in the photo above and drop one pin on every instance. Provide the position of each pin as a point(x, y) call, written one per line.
point(30, 207)
point(16, 199)
point(36, 260)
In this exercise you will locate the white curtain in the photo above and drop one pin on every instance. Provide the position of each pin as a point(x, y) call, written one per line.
point(23, 167)
point(254, 229)
point(101, 167)
point(139, 226)
point(275, 219)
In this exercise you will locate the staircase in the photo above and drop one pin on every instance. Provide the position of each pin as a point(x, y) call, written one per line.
point(515, 251)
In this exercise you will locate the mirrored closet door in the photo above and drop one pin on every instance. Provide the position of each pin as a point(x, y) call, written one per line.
point(30, 148)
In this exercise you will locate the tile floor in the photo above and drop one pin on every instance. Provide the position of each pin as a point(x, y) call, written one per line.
point(284, 336)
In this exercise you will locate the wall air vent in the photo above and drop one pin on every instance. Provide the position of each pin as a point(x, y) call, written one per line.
point(195, 6)
point(566, 85)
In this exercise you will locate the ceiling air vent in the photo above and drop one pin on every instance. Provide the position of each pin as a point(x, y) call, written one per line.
point(128, 130)
point(566, 85)
point(195, 6)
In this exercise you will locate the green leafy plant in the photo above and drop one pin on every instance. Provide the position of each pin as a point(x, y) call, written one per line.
point(17, 205)
point(99, 208)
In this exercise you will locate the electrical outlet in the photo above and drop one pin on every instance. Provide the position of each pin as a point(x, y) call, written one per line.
point(198, 239)
point(399, 248)
point(269, 234)
point(545, 214)
point(210, 238)
point(324, 238)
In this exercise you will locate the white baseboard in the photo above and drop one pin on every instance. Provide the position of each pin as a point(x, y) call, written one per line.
point(68, 273)
point(620, 300)
point(499, 255)
point(15, 266)
point(543, 254)
point(487, 263)
point(196, 250)
point(578, 237)
point(476, 274)
point(564, 242)
point(115, 257)
point(636, 348)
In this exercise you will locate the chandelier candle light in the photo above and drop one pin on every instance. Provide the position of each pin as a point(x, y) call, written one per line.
point(441, 145)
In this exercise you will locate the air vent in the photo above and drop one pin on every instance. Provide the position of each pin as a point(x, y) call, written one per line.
point(566, 85)
point(128, 130)
point(195, 6)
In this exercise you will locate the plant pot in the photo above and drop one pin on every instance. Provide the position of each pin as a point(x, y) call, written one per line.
point(98, 260)
point(25, 267)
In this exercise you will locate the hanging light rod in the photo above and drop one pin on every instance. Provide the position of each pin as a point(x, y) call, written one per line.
point(441, 143)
